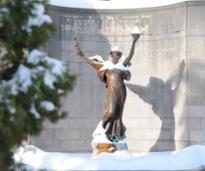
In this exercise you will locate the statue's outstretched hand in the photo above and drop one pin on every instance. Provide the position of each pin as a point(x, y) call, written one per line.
point(136, 34)
point(77, 47)
point(135, 37)
point(76, 43)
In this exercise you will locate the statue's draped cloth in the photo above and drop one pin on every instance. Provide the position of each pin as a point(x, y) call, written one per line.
point(113, 75)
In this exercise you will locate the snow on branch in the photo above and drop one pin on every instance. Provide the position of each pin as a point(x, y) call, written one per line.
point(38, 66)
point(56, 68)
point(39, 18)
point(48, 106)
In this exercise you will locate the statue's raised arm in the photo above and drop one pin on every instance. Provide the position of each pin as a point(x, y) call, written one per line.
point(127, 60)
point(80, 53)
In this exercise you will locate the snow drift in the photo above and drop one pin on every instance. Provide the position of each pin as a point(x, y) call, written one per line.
point(192, 157)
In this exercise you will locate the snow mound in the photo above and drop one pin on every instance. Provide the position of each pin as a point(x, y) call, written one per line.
point(192, 157)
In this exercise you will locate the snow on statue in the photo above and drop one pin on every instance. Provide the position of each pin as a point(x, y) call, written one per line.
point(112, 72)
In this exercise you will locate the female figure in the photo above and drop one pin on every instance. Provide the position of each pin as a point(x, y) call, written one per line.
point(112, 72)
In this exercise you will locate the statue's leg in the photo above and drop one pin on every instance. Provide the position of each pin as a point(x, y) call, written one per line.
point(109, 118)
point(122, 130)
point(122, 127)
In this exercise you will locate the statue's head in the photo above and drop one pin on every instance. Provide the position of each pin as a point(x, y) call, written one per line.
point(115, 55)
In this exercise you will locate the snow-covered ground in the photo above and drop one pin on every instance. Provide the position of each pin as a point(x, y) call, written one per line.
point(113, 4)
point(189, 158)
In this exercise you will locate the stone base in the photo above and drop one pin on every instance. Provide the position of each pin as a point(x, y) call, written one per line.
point(108, 147)
point(121, 145)
point(100, 142)
point(104, 147)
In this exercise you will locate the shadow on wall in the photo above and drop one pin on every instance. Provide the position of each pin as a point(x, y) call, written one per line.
point(162, 96)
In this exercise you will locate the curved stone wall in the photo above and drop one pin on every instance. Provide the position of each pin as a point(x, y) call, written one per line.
point(166, 108)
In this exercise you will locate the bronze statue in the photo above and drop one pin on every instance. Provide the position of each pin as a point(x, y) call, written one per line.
point(113, 73)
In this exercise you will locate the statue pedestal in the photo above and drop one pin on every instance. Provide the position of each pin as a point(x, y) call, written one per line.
point(108, 147)
point(103, 147)
point(101, 144)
